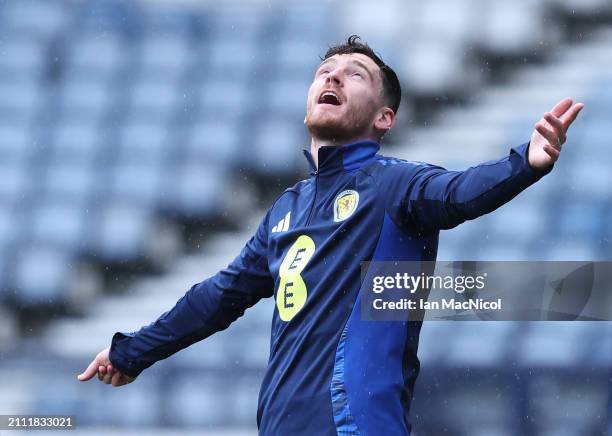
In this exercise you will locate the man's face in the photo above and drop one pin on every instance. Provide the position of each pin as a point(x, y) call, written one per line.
point(344, 98)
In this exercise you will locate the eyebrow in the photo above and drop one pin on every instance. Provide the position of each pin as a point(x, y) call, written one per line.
point(354, 61)
point(362, 65)
point(326, 61)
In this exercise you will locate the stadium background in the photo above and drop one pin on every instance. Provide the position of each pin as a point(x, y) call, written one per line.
point(140, 143)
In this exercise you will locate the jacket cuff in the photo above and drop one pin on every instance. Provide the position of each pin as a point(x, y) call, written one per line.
point(531, 173)
point(123, 364)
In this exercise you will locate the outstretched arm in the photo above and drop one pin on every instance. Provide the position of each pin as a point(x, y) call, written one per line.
point(439, 199)
point(208, 307)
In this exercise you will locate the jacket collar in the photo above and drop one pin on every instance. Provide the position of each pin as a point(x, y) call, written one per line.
point(335, 159)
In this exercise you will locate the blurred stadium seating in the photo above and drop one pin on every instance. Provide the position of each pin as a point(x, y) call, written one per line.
point(144, 139)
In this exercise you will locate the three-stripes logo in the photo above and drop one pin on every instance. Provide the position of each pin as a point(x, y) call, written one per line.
point(283, 225)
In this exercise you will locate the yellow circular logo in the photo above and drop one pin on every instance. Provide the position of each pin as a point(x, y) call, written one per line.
point(292, 293)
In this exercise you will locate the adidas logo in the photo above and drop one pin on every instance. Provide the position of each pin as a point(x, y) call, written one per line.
point(283, 225)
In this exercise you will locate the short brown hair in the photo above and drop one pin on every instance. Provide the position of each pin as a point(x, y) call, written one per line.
point(392, 91)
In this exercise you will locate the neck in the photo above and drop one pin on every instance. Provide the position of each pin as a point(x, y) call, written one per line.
point(317, 143)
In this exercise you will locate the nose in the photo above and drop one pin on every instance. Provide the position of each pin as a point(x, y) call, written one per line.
point(335, 76)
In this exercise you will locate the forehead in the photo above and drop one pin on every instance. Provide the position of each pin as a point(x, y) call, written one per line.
point(358, 58)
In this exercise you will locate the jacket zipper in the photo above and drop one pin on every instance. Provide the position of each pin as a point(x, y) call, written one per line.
point(314, 199)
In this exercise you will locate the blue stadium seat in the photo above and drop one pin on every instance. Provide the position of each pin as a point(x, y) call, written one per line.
point(229, 22)
point(85, 98)
point(137, 183)
point(41, 273)
point(593, 136)
point(77, 142)
point(215, 141)
point(560, 344)
point(277, 146)
point(209, 353)
point(169, 20)
point(430, 65)
point(143, 140)
point(59, 223)
point(228, 96)
point(22, 57)
point(481, 344)
point(306, 18)
point(517, 221)
point(41, 19)
point(287, 97)
point(451, 20)
point(378, 24)
point(572, 248)
point(67, 180)
point(120, 232)
point(167, 56)
point(16, 141)
point(581, 218)
point(20, 99)
point(588, 178)
point(137, 406)
point(196, 189)
point(231, 59)
point(155, 96)
point(96, 56)
point(299, 57)
point(513, 29)
point(12, 227)
point(113, 17)
point(15, 182)
point(206, 392)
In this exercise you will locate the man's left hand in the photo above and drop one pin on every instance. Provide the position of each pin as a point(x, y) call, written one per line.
point(549, 135)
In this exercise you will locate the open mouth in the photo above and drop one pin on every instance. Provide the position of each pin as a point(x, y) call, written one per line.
point(329, 97)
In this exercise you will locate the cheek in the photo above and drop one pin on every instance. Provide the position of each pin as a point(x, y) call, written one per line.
point(310, 97)
point(364, 101)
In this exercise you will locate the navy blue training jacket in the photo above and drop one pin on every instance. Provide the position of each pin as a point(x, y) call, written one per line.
point(329, 372)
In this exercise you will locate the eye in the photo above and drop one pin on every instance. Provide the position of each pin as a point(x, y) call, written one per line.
point(358, 74)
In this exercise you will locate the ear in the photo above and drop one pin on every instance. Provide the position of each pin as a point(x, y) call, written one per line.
point(385, 119)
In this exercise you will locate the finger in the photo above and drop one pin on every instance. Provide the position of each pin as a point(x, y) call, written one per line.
point(107, 378)
point(110, 369)
point(557, 125)
point(101, 372)
point(548, 134)
point(116, 379)
point(552, 152)
point(571, 115)
point(561, 107)
point(89, 372)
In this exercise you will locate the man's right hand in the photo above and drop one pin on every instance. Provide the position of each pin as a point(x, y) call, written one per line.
point(103, 367)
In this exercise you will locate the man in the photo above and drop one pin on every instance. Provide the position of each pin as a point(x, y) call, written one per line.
point(330, 372)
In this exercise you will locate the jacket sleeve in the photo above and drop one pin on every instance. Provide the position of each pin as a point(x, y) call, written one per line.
point(433, 198)
point(206, 308)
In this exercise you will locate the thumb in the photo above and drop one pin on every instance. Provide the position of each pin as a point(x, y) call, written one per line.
point(91, 370)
